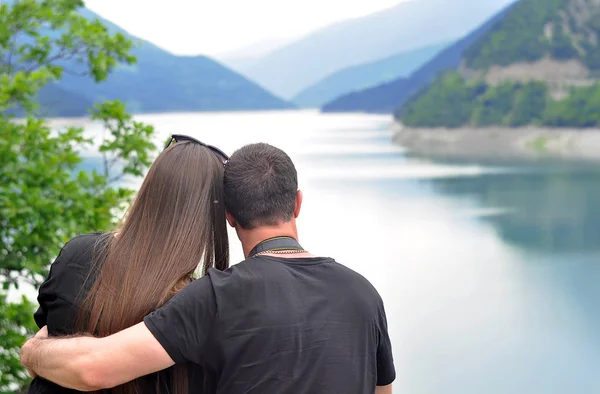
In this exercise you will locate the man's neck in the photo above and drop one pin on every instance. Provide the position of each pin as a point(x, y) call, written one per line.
point(251, 238)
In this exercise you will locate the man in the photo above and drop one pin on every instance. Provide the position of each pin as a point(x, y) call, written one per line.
point(282, 321)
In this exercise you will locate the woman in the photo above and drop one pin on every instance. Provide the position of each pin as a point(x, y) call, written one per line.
point(102, 283)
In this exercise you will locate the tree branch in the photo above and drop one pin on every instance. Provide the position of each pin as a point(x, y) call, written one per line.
point(116, 178)
point(75, 73)
point(61, 55)
point(104, 156)
point(12, 51)
point(111, 164)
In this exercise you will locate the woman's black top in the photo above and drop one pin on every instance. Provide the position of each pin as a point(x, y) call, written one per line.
point(59, 297)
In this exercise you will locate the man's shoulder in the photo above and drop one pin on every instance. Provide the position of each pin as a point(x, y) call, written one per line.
point(260, 268)
point(358, 282)
point(249, 269)
point(257, 269)
point(271, 264)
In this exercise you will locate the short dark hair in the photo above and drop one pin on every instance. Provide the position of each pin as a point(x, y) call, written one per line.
point(261, 184)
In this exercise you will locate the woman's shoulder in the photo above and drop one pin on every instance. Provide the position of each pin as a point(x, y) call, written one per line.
point(78, 250)
point(85, 240)
point(83, 243)
point(66, 278)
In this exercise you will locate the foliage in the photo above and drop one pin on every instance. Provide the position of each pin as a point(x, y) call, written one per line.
point(592, 49)
point(494, 106)
point(128, 142)
point(529, 104)
point(580, 109)
point(531, 30)
point(38, 39)
point(519, 37)
point(15, 320)
point(525, 31)
point(452, 101)
point(562, 46)
point(44, 198)
point(538, 28)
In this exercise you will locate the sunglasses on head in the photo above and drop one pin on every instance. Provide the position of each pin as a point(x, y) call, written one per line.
point(181, 138)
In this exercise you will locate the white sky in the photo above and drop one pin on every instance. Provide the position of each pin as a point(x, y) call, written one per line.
point(222, 26)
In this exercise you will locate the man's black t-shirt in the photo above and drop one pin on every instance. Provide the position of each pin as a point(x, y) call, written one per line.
point(281, 325)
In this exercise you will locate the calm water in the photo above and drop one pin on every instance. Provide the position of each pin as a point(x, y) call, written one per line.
point(489, 273)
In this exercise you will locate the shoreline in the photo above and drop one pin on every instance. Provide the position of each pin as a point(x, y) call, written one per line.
point(528, 143)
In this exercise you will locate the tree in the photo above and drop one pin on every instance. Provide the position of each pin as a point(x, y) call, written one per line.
point(451, 101)
point(519, 37)
point(529, 104)
point(579, 109)
point(495, 104)
point(45, 196)
point(448, 102)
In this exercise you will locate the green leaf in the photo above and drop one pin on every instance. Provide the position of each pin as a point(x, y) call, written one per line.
point(45, 199)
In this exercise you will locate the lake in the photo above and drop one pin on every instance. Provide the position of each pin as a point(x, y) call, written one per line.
point(489, 273)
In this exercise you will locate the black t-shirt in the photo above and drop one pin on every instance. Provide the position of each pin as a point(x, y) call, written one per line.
point(59, 298)
point(273, 325)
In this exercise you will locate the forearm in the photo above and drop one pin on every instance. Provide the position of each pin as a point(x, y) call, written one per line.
point(89, 364)
point(67, 362)
point(384, 389)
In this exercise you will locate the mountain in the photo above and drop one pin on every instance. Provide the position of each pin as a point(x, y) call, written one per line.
point(409, 25)
point(55, 101)
point(540, 65)
point(162, 82)
point(245, 57)
point(387, 97)
point(365, 75)
point(159, 82)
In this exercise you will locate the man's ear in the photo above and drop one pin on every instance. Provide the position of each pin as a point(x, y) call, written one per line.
point(298, 204)
point(230, 219)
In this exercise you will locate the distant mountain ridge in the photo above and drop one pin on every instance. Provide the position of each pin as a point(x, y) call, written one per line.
point(407, 26)
point(386, 98)
point(244, 58)
point(55, 101)
point(365, 75)
point(161, 82)
point(558, 29)
point(540, 65)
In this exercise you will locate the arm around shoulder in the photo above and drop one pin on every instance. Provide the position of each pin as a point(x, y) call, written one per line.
point(45, 357)
point(89, 364)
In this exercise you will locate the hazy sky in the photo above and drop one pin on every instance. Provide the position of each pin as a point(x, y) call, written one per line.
point(221, 26)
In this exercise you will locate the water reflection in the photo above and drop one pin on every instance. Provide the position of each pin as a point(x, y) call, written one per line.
point(552, 210)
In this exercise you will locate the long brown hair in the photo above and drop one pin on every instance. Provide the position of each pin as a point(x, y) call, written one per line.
point(176, 222)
